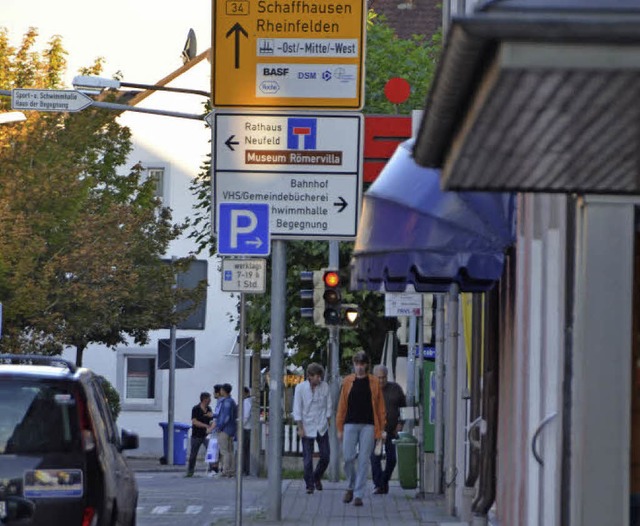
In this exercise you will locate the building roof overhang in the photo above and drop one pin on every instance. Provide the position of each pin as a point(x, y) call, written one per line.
point(533, 95)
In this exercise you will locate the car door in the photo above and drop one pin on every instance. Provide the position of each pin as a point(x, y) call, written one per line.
point(119, 478)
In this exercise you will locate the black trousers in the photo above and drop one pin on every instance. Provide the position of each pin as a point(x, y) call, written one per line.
point(196, 442)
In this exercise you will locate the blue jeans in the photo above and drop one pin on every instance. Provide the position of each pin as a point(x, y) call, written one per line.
point(381, 477)
point(357, 444)
point(311, 476)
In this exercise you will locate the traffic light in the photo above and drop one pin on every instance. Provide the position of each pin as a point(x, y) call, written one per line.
point(306, 294)
point(312, 296)
point(429, 319)
point(332, 297)
point(321, 299)
point(350, 315)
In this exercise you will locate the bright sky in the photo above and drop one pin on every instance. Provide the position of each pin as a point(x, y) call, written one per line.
point(141, 38)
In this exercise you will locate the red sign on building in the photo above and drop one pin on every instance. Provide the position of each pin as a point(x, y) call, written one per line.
point(382, 135)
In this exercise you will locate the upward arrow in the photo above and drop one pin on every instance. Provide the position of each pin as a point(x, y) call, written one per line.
point(236, 29)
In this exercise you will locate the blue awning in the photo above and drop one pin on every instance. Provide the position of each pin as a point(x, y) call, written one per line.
point(412, 232)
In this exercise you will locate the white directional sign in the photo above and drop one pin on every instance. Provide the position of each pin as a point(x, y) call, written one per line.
point(307, 167)
point(49, 100)
point(244, 275)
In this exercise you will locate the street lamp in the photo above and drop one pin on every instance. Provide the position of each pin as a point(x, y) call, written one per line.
point(12, 116)
point(96, 85)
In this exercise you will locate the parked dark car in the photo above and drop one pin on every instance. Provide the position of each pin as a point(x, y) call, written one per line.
point(61, 459)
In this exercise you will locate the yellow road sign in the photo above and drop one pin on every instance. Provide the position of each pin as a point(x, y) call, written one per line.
point(288, 53)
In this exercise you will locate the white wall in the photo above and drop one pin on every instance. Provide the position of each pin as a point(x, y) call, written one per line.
point(601, 383)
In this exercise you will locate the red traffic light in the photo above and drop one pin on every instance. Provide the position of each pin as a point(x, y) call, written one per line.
point(331, 279)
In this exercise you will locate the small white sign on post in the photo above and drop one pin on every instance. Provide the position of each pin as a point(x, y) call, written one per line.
point(244, 275)
point(49, 100)
point(402, 304)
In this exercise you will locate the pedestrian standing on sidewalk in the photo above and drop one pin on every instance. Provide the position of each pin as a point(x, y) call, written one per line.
point(214, 467)
point(201, 416)
point(246, 427)
point(360, 421)
point(225, 426)
point(394, 399)
point(312, 412)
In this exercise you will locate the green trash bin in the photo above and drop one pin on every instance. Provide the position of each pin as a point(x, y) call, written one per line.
point(407, 451)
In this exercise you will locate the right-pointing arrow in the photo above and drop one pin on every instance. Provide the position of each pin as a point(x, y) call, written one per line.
point(257, 242)
point(341, 203)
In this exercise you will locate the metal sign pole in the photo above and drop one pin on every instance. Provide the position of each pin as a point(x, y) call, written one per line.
point(172, 382)
point(276, 367)
point(334, 377)
point(240, 427)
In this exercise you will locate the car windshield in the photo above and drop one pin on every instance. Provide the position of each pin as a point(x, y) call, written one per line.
point(37, 416)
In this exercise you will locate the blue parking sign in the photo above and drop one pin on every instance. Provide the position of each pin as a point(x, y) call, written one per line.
point(243, 229)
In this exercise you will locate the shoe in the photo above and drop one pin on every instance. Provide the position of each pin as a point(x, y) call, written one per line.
point(348, 496)
point(357, 501)
point(188, 475)
point(378, 491)
point(318, 485)
point(309, 491)
point(385, 489)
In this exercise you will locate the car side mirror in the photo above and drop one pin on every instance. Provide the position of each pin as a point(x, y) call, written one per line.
point(128, 440)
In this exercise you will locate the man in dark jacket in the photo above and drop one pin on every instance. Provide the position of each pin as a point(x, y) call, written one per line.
point(394, 399)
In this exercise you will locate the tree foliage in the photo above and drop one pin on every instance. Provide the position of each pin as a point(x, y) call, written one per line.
point(387, 56)
point(80, 242)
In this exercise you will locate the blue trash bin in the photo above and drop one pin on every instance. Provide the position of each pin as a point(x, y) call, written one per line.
point(180, 441)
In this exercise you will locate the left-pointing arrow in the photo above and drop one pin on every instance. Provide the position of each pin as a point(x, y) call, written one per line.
point(231, 143)
point(236, 29)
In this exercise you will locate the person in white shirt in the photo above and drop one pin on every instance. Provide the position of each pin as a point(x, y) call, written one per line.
point(246, 426)
point(312, 412)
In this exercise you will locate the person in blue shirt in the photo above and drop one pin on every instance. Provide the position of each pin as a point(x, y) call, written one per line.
point(225, 426)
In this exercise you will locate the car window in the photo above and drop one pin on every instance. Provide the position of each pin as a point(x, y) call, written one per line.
point(38, 417)
point(105, 411)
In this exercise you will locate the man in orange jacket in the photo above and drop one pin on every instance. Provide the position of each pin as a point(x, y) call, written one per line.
point(360, 421)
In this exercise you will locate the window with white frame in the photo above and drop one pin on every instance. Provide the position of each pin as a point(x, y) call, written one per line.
point(138, 380)
point(157, 174)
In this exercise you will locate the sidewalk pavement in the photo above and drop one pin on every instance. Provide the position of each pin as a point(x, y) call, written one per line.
point(322, 508)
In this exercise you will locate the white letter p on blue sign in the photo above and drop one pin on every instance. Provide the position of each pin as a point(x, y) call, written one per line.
point(243, 229)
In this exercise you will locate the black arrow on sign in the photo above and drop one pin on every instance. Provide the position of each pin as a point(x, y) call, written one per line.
point(230, 142)
point(342, 204)
point(237, 29)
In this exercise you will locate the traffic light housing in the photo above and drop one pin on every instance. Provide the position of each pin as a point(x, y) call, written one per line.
point(312, 296)
point(429, 319)
point(332, 297)
point(321, 299)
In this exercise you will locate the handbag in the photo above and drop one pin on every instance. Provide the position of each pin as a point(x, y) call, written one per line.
point(212, 450)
